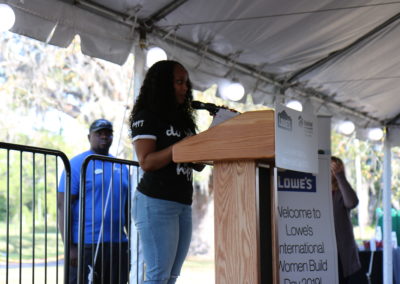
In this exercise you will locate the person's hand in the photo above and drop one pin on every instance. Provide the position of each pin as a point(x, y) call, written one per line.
point(336, 168)
point(197, 166)
point(73, 255)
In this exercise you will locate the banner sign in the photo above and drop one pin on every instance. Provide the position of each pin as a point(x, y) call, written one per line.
point(296, 181)
point(296, 140)
point(307, 243)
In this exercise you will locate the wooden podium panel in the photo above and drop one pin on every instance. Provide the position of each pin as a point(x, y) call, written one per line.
point(236, 224)
point(249, 136)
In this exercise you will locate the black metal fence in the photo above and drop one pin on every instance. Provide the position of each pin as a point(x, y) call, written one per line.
point(31, 248)
point(104, 220)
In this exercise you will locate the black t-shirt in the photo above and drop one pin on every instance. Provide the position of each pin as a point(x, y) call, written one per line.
point(174, 181)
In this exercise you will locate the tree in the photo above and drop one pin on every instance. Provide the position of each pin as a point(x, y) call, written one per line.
point(50, 96)
point(38, 79)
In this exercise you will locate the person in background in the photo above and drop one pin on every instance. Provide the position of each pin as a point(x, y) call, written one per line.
point(344, 200)
point(104, 234)
point(161, 117)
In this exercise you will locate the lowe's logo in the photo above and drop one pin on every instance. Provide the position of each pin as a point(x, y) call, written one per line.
point(306, 125)
point(284, 121)
point(297, 181)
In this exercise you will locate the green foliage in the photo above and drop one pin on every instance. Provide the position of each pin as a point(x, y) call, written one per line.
point(3, 208)
point(31, 184)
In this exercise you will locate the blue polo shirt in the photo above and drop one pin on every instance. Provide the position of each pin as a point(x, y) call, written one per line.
point(110, 209)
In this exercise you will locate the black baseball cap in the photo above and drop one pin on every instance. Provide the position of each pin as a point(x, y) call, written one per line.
point(100, 124)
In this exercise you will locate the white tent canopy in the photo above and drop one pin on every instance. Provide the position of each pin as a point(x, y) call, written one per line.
point(340, 56)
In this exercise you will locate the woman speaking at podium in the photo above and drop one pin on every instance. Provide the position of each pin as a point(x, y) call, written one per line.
point(161, 117)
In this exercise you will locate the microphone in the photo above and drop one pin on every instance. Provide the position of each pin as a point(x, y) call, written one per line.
point(212, 108)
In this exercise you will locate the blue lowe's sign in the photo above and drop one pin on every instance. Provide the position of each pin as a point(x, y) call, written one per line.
point(296, 181)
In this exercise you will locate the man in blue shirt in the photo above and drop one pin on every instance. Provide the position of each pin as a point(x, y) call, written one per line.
point(105, 240)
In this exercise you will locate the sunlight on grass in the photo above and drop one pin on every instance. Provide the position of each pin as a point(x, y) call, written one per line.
point(27, 275)
point(197, 270)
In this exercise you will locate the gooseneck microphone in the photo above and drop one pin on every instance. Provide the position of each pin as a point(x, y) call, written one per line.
point(211, 108)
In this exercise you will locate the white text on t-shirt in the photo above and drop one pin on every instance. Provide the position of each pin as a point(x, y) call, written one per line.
point(181, 169)
point(138, 123)
point(172, 132)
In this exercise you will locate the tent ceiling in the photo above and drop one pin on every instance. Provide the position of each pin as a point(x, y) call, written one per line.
point(341, 56)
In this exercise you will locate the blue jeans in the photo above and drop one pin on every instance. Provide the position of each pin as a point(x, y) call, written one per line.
point(165, 229)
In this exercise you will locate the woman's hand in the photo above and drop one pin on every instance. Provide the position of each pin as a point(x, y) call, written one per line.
point(197, 167)
point(336, 168)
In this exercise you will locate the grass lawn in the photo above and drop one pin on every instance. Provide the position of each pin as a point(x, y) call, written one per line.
point(197, 270)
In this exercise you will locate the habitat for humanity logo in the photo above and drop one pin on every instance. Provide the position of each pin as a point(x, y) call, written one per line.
point(284, 120)
point(297, 181)
point(307, 125)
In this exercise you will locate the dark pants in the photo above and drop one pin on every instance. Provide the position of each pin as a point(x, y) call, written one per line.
point(356, 278)
point(110, 267)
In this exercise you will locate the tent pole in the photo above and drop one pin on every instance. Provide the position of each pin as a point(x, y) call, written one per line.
point(387, 215)
point(137, 262)
point(139, 66)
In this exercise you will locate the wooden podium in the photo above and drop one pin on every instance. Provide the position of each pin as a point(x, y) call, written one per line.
point(245, 202)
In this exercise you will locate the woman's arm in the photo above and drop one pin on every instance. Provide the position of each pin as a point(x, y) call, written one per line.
point(150, 159)
point(350, 198)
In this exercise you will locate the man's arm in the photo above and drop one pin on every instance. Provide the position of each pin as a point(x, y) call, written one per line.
point(127, 224)
point(350, 198)
point(60, 208)
point(73, 251)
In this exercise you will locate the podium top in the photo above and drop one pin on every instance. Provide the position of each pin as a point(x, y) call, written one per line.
point(248, 136)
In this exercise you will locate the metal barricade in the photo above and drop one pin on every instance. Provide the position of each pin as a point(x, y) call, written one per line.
point(30, 243)
point(104, 219)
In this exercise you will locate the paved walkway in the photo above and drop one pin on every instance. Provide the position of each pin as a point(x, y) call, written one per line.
point(29, 264)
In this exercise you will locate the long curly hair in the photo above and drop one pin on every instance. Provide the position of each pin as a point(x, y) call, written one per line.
point(157, 95)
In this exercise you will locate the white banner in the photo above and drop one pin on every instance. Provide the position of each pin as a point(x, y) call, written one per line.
point(307, 242)
point(296, 140)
